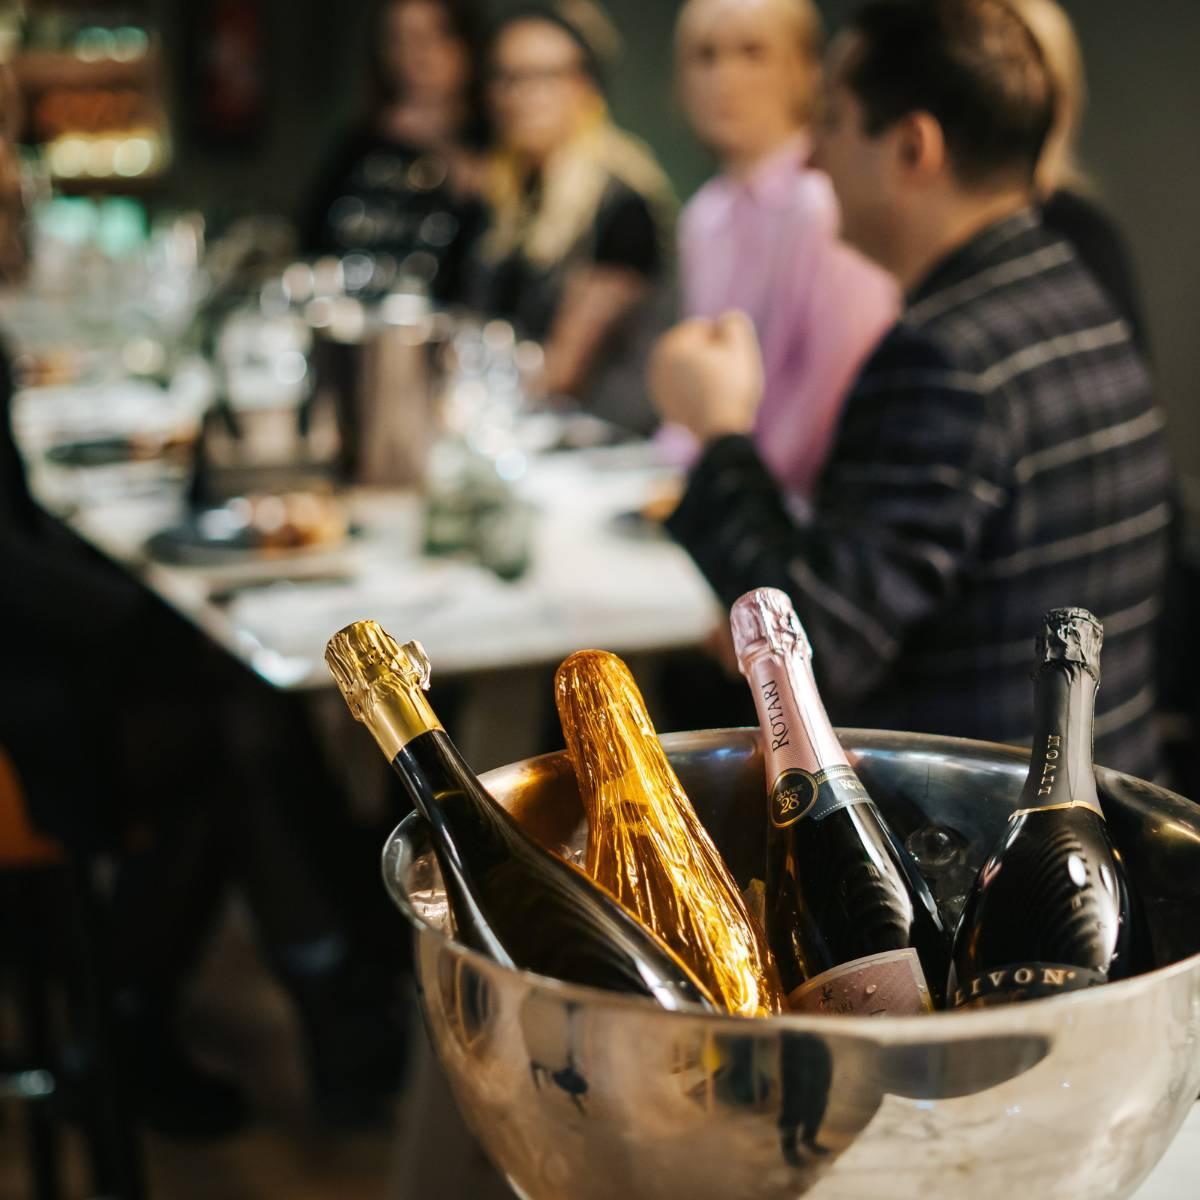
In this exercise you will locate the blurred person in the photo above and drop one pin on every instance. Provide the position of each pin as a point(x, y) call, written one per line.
point(762, 236)
point(136, 738)
point(1070, 209)
point(403, 183)
point(1064, 191)
point(1000, 454)
point(576, 256)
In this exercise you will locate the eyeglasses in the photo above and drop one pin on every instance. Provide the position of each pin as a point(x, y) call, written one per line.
point(532, 77)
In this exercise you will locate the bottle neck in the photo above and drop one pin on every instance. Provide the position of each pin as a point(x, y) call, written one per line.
point(610, 739)
point(1060, 771)
point(396, 713)
point(443, 789)
point(796, 732)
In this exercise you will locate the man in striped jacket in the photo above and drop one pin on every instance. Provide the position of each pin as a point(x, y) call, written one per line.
point(1000, 455)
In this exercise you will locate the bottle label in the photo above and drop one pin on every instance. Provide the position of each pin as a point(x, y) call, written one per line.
point(1048, 773)
point(1060, 768)
point(1024, 981)
point(891, 984)
point(798, 794)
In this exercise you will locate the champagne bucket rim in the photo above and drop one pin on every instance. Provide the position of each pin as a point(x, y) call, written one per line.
point(408, 842)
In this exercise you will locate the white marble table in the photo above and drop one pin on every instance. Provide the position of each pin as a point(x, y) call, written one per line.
point(589, 584)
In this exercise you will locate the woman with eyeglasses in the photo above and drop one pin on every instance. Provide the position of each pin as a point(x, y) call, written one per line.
point(577, 251)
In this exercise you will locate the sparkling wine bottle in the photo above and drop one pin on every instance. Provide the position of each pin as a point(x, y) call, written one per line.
point(645, 843)
point(510, 898)
point(850, 921)
point(1050, 910)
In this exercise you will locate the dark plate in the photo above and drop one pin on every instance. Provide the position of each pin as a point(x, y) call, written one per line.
point(211, 538)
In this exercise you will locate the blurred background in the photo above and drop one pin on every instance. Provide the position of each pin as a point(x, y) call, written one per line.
point(301, 65)
point(247, 419)
point(1138, 138)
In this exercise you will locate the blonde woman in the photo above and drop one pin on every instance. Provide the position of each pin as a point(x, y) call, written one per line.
point(762, 236)
point(1068, 207)
point(577, 248)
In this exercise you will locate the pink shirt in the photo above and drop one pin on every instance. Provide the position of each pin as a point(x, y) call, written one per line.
point(769, 245)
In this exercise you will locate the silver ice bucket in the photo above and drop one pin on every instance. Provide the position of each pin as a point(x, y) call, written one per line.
point(578, 1094)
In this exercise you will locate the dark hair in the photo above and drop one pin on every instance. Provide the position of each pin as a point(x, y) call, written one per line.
point(974, 65)
point(585, 23)
point(467, 24)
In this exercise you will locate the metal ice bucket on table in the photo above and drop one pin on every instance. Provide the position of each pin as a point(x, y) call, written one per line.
point(578, 1094)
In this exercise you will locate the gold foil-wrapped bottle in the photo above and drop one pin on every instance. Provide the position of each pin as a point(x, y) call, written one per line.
point(645, 843)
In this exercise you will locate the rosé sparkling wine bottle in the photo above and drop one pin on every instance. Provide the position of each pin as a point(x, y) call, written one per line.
point(851, 923)
point(1050, 910)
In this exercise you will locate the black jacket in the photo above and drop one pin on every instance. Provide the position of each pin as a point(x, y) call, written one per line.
point(1000, 456)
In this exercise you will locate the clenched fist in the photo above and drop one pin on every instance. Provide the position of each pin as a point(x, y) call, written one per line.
point(707, 376)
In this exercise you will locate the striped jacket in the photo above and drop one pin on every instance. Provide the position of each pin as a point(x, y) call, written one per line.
point(1000, 455)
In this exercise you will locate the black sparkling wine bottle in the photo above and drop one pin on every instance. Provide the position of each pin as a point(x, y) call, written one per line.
point(850, 920)
point(1050, 910)
point(510, 898)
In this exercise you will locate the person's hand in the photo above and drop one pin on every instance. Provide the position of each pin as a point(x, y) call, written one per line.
point(707, 376)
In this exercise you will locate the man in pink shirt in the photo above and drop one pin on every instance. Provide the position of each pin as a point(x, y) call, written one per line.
point(762, 236)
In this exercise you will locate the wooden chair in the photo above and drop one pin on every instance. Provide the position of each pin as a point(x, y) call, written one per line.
point(53, 936)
